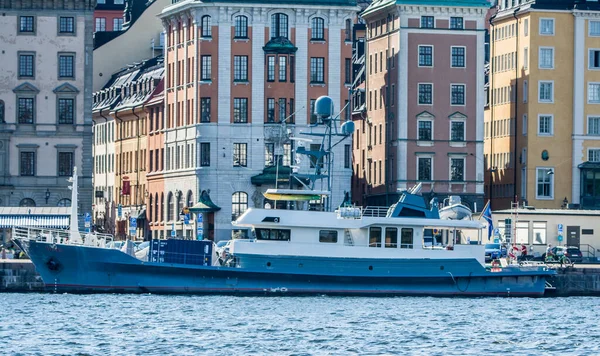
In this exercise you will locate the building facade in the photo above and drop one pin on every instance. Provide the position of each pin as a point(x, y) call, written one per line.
point(424, 96)
point(108, 15)
point(45, 103)
point(542, 125)
point(241, 79)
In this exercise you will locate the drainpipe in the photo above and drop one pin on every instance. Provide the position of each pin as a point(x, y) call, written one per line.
point(106, 177)
point(120, 154)
point(492, 105)
point(516, 107)
point(138, 198)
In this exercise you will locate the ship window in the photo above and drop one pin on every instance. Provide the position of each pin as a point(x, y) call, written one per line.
point(273, 234)
point(391, 237)
point(329, 236)
point(406, 238)
point(375, 237)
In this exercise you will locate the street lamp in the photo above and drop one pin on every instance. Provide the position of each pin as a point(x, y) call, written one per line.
point(47, 195)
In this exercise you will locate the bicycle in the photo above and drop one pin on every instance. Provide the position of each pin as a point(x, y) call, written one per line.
point(562, 259)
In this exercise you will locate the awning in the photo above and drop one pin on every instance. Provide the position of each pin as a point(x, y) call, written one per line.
point(589, 165)
point(47, 221)
point(205, 205)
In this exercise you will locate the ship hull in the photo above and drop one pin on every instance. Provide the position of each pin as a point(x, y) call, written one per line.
point(81, 269)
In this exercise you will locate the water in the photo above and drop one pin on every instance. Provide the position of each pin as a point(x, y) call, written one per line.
point(48, 324)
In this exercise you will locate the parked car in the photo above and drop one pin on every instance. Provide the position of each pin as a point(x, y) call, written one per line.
point(572, 252)
point(493, 251)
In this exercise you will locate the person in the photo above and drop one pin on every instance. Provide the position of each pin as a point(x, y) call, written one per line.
point(549, 251)
point(523, 251)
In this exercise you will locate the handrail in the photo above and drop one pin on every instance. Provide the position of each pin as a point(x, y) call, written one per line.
point(65, 237)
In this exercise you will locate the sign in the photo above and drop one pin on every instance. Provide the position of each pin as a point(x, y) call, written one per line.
point(560, 238)
point(496, 232)
point(199, 232)
point(132, 226)
point(186, 219)
point(173, 233)
point(199, 219)
point(560, 229)
point(119, 210)
point(88, 220)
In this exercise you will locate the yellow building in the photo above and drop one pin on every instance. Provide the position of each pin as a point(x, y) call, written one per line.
point(542, 125)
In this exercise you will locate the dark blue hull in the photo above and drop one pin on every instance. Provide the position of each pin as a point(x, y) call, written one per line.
point(79, 269)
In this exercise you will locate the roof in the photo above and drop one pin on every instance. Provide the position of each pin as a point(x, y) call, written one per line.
point(548, 212)
point(380, 4)
point(132, 11)
point(575, 5)
point(284, 2)
point(9, 210)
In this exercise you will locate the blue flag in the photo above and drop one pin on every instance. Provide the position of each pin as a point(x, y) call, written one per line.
point(487, 215)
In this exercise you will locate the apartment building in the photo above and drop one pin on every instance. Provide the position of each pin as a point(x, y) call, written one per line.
point(45, 114)
point(424, 99)
point(235, 71)
point(108, 15)
point(542, 123)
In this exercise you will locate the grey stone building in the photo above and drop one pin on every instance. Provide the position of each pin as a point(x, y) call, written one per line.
point(45, 103)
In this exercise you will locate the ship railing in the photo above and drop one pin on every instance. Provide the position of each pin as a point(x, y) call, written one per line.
point(356, 212)
point(375, 211)
point(58, 236)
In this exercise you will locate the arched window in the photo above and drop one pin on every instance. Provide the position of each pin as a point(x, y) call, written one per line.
point(279, 25)
point(241, 27)
point(205, 27)
point(155, 207)
point(2, 111)
point(64, 202)
point(190, 199)
point(150, 208)
point(318, 28)
point(162, 206)
point(239, 204)
point(170, 206)
point(28, 202)
point(348, 30)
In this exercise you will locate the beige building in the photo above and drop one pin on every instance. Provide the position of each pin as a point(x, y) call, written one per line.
point(45, 102)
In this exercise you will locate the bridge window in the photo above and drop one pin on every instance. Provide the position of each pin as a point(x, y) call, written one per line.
point(273, 234)
point(406, 238)
point(375, 237)
point(391, 237)
point(328, 236)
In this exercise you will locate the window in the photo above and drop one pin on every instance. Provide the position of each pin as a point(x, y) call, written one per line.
point(2, 118)
point(239, 155)
point(27, 202)
point(313, 116)
point(375, 237)
point(26, 24)
point(206, 27)
point(425, 56)
point(546, 92)
point(425, 130)
point(66, 25)
point(317, 28)
point(27, 164)
point(328, 236)
point(273, 234)
point(282, 68)
point(279, 25)
point(546, 58)
point(525, 58)
point(458, 57)
point(240, 110)
point(239, 204)
point(545, 127)
point(240, 68)
point(593, 125)
point(66, 66)
point(292, 69)
point(347, 155)
point(594, 59)
point(457, 169)
point(270, 110)
point(457, 131)
point(526, 27)
point(457, 94)
point(539, 233)
point(545, 183)
point(424, 168)
point(26, 113)
point(271, 69)
point(348, 30)
point(594, 155)
point(391, 237)
point(241, 27)
point(594, 28)
point(525, 91)
point(282, 109)
point(406, 238)
point(317, 70)
point(66, 111)
point(546, 27)
point(425, 94)
point(100, 24)
point(205, 154)
point(347, 71)
point(206, 70)
point(427, 22)
point(65, 202)
point(118, 24)
point(456, 23)
point(524, 124)
point(26, 65)
point(269, 154)
point(594, 93)
point(204, 109)
point(65, 164)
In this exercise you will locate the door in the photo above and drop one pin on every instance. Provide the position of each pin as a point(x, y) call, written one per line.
point(573, 236)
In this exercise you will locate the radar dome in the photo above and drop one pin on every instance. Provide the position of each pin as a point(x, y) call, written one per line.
point(324, 107)
point(348, 128)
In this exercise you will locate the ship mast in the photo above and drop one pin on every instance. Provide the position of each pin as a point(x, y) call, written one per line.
point(74, 235)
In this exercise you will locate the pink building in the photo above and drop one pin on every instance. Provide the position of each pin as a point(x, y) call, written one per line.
point(424, 101)
point(108, 15)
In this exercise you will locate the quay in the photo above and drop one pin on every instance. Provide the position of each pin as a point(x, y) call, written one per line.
point(19, 276)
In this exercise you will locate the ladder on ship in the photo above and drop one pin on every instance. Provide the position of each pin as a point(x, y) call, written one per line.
point(348, 237)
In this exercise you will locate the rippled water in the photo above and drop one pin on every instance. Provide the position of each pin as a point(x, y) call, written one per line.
point(48, 324)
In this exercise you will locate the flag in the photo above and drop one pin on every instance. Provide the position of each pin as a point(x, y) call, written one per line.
point(487, 215)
